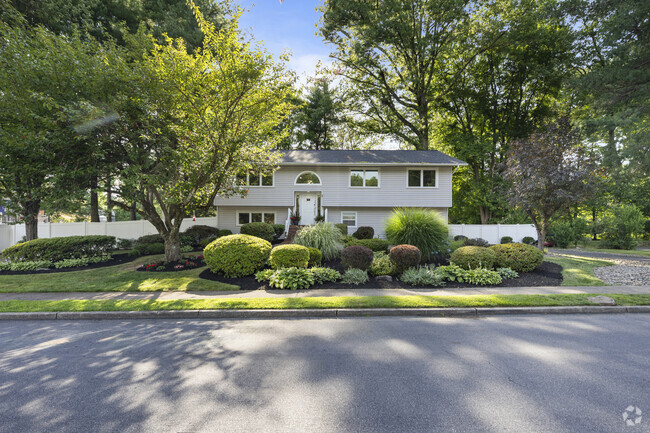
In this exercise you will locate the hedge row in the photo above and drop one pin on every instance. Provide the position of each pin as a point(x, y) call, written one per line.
point(58, 249)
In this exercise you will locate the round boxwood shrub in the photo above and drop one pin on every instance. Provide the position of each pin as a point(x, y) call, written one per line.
point(404, 256)
point(473, 257)
point(261, 230)
point(460, 238)
point(476, 242)
point(315, 256)
point(278, 229)
point(528, 240)
point(364, 232)
point(200, 232)
point(342, 228)
point(357, 257)
point(225, 232)
point(288, 256)
point(518, 257)
point(506, 240)
point(237, 255)
point(374, 244)
point(422, 228)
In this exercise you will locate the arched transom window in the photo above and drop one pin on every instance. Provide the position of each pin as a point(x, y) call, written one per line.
point(308, 178)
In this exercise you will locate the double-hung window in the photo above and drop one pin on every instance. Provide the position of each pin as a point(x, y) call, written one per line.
point(255, 217)
point(349, 218)
point(255, 179)
point(364, 178)
point(422, 178)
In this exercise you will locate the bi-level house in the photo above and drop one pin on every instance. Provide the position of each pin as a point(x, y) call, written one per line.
point(353, 187)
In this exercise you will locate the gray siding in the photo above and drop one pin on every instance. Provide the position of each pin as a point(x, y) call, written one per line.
point(335, 189)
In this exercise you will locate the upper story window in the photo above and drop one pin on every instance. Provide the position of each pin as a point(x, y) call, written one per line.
point(255, 179)
point(422, 178)
point(364, 178)
point(308, 178)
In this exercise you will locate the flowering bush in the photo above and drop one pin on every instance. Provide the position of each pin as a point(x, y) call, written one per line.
point(189, 262)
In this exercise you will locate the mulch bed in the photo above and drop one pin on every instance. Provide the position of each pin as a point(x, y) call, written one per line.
point(548, 274)
point(186, 263)
point(117, 259)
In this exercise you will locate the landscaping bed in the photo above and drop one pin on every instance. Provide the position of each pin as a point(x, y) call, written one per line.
point(116, 259)
point(547, 274)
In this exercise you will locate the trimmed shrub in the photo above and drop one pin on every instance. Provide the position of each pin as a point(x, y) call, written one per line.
point(424, 229)
point(324, 275)
point(404, 256)
point(149, 239)
point(364, 232)
point(200, 232)
point(205, 242)
point(225, 232)
point(460, 238)
point(421, 276)
point(291, 279)
point(237, 255)
point(473, 257)
point(357, 257)
point(57, 249)
point(323, 236)
point(620, 228)
point(125, 244)
point(381, 265)
point(315, 257)
point(187, 241)
point(147, 249)
point(476, 242)
point(506, 240)
point(342, 228)
point(374, 244)
point(454, 245)
point(528, 240)
point(518, 257)
point(261, 230)
point(278, 229)
point(289, 256)
point(355, 276)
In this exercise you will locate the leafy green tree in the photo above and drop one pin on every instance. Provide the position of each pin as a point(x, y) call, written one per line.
point(192, 122)
point(44, 80)
point(318, 118)
point(398, 57)
point(548, 172)
point(503, 94)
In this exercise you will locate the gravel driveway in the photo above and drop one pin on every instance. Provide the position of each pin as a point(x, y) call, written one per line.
point(628, 270)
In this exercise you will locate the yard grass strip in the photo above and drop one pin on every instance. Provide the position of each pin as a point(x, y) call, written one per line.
point(579, 271)
point(118, 278)
point(338, 302)
point(643, 253)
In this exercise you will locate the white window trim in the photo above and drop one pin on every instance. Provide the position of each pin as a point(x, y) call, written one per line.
point(356, 218)
point(420, 169)
point(320, 181)
point(249, 212)
point(248, 182)
point(364, 178)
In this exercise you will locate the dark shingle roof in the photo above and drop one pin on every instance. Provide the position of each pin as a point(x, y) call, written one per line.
point(370, 157)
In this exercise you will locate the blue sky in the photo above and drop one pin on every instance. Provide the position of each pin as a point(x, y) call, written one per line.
point(290, 25)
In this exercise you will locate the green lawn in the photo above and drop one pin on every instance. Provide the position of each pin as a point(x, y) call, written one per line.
point(579, 271)
point(119, 278)
point(627, 252)
point(318, 302)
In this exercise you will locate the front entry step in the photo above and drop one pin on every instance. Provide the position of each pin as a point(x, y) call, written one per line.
point(291, 234)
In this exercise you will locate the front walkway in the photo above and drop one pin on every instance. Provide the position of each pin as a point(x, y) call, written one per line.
point(166, 296)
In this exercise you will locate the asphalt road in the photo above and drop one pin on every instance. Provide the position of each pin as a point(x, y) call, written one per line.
point(497, 374)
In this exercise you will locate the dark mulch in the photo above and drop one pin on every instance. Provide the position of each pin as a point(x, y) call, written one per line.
point(186, 263)
point(116, 260)
point(548, 274)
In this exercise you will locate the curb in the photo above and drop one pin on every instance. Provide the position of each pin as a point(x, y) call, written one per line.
point(317, 313)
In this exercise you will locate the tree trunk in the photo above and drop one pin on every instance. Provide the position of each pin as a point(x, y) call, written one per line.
point(485, 213)
point(109, 202)
point(94, 201)
point(172, 245)
point(30, 214)
point(594, 235)
point(133, 215)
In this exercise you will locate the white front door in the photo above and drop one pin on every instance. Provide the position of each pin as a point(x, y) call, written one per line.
point(308, 208)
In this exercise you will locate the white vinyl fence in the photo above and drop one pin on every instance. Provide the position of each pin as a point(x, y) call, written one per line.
point(494, 232)
point(12, 234)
